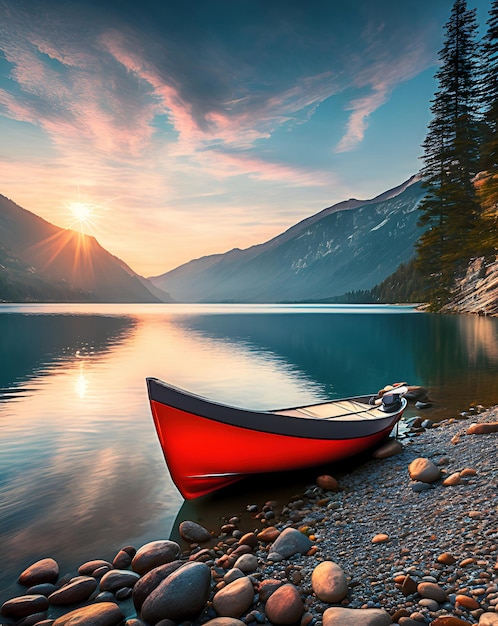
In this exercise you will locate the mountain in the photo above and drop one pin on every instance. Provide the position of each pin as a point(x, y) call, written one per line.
point(42, 262)
point(349, 246)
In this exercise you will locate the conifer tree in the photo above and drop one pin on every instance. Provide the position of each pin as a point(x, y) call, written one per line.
point(451, 159)
point(487, 180)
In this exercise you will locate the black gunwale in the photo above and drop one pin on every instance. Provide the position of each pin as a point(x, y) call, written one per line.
point(270, 422)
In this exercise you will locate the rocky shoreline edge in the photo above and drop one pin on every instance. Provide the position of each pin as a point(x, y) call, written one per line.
point(409, 537)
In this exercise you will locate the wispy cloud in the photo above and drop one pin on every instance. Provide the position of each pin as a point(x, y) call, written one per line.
point(390, 64)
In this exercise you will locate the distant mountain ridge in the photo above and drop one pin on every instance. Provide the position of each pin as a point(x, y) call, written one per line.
point(42, 262)
point(352, 245)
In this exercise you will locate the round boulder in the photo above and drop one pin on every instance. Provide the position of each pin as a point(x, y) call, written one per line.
point(290, 542)
point(122, 560)
point(452, 480)
point(20, 607)
point(329, 582)
point(329, 483)
point(424, 470)
point(146, 585)
point(153, 554)
point(99, 614)
point(234, 599)
point(268, 534)
point(267, 587)
point(432, 591)
point(284, 606)
point(77, 590)
point(90, 567)
point(450, 620)
point(179, 597)
point(44, 571)
point(193, 532)
point(338, 616)
point(247, 563)
point(118, 578)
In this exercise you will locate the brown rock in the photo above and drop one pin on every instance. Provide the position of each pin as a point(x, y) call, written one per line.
point(327, 482)
point(284, 606)
point(468, 472)
point(88, 568)
point(446, 558)
point(452, 480)
point(380, 538)
point(99, 614)
point(338, 616)
point(432, 591)
point(488, 619)
point(467, 602)
point(483, 429)
point(234, 599)
point(424, 471)
point(20, 607)
point(409, 586)
point(449, 620)
point(329, 582)
point(43, 571)
point(117, 578)
point(267, 587)
point(77, 590)
point(249, 539)
point(398, 614)
point(153, 554)
point(267, 535)
point(122, 560)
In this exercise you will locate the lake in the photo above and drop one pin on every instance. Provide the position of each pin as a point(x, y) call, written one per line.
point(81, 471)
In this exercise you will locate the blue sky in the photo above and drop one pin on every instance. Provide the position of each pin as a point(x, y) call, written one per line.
point(175, 130)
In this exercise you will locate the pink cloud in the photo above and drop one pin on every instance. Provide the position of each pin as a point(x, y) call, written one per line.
point(229, 165)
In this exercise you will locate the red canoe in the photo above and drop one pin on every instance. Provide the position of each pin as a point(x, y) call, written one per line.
point(208, 445)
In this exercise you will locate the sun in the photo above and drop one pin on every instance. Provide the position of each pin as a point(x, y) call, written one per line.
point(82, 215)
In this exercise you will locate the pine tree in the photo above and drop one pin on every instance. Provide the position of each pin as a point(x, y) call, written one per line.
point(487, 180)
point(451, 157)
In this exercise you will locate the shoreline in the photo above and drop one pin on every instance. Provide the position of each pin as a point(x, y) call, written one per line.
point(385, 533)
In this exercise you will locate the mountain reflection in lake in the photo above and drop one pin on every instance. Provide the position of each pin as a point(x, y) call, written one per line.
point(81, 471)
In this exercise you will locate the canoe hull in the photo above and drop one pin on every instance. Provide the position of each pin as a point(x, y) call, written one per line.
point(204, 454)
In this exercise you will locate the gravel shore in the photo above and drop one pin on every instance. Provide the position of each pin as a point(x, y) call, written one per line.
point(379, 545)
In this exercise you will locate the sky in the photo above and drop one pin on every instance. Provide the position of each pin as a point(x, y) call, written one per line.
point(171, 130)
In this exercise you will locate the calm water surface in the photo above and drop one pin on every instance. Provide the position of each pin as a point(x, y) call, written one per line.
point(81, 471)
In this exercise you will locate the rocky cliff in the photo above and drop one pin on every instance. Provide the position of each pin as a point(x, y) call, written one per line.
point(477, 291)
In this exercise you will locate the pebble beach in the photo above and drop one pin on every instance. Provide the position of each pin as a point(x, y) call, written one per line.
point(408, 537)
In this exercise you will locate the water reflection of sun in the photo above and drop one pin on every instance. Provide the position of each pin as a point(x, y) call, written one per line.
point(81, 383)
